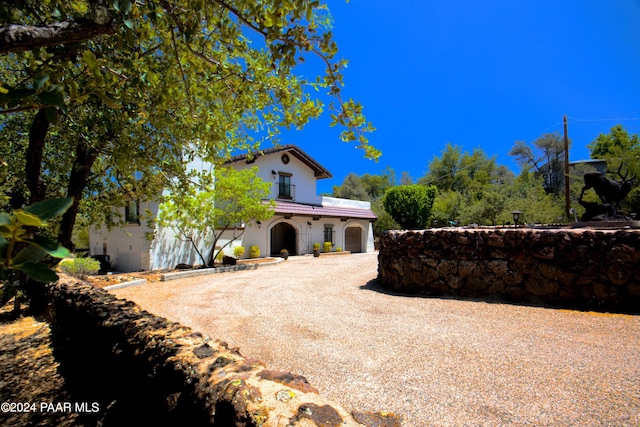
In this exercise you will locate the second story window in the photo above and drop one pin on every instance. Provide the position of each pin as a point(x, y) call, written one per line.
point(284, 187)
point(132, 212)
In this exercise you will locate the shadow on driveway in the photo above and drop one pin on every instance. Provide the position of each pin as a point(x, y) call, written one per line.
point(376, 286)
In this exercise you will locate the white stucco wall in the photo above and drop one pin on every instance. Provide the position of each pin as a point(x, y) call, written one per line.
point(128, 246)
point(169, 249)
point(345, 203)
point(303, 181)
point(308, 232)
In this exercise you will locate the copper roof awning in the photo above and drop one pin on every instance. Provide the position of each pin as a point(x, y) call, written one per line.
point(299, 209)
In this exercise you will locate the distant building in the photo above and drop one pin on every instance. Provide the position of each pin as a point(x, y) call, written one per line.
point(598, 164)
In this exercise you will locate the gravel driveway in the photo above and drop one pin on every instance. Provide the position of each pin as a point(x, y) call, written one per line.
point(435, 361)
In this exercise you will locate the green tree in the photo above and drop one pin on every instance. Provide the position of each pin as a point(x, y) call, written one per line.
point(447, 208)
point(526, 194)
point(410, 205)
point(461, 171)
point(617, 142)
point(352, 188)
point(405, 178)
point(216, 202)
point(377, 185)
point(369, 187)
point(443, 171)
point(470, 187)
point(384, 222)
point(132, 88)
point(622, 153)
point(546, 157)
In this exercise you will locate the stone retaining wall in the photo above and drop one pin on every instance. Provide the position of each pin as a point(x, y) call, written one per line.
point(145, 370)
point(562, 267)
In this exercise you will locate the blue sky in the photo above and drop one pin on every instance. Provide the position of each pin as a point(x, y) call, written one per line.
point(478, 74)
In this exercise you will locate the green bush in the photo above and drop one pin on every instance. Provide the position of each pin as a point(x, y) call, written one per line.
point(410, 205)
point(238, 251)
point(254, 252)
point(80, 268)
point(316, 245)
point(338, 249)
point(327, 246)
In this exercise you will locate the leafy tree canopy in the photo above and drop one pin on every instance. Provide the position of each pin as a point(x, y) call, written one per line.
point(352, 187)
point(216, 201)
point(546, 157)
point(369, 187)
point(460, 171)
point(198, 58)
point(107, 98)
point(622, 152)
point(410, 205)
point(617, 142)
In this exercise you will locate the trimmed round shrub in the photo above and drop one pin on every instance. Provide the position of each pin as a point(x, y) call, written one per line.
point(238, 251)
point(410, 205)
point(254, 251)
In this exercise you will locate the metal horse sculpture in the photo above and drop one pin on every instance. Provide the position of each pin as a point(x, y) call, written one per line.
point(610, 192)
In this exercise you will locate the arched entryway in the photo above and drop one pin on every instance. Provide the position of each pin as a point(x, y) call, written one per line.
point(283, 236)
point(353, 239)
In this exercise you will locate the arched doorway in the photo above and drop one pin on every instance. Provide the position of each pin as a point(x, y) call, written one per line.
point(353, 239)
point(283, 236)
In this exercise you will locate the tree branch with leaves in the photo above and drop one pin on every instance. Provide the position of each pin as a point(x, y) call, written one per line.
point(224, 199)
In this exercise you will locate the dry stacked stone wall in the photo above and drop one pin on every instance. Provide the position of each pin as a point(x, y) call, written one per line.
point(591, 269)
point(142, 369)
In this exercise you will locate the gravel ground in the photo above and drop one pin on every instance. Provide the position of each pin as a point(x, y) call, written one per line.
point(435, 361)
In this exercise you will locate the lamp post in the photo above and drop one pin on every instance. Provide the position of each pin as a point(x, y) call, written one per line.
point(516, 217)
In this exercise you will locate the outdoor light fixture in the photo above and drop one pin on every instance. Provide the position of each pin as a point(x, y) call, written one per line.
point(259, 223)
point(309, 224)
point(516, 217)
point(274, 174)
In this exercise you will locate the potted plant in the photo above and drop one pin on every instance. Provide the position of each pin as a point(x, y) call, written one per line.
point(238, 251)
point(316, 249)
point(254, 251)
point(327, 246)
point(284, 254)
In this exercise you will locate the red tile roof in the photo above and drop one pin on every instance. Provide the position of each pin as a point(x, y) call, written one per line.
point(285, 208)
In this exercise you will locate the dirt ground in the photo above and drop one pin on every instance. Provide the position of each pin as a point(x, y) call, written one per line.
point(28, 369)
point(29, 380)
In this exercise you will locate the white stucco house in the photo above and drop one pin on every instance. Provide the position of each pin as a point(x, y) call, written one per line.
point(301, 218)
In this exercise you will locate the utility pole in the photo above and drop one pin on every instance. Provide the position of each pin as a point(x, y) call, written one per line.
point(566, 170)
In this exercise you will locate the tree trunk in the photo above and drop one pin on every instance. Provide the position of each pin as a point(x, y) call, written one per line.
point(33, 170)
point(84, 159)
point(37, 136)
